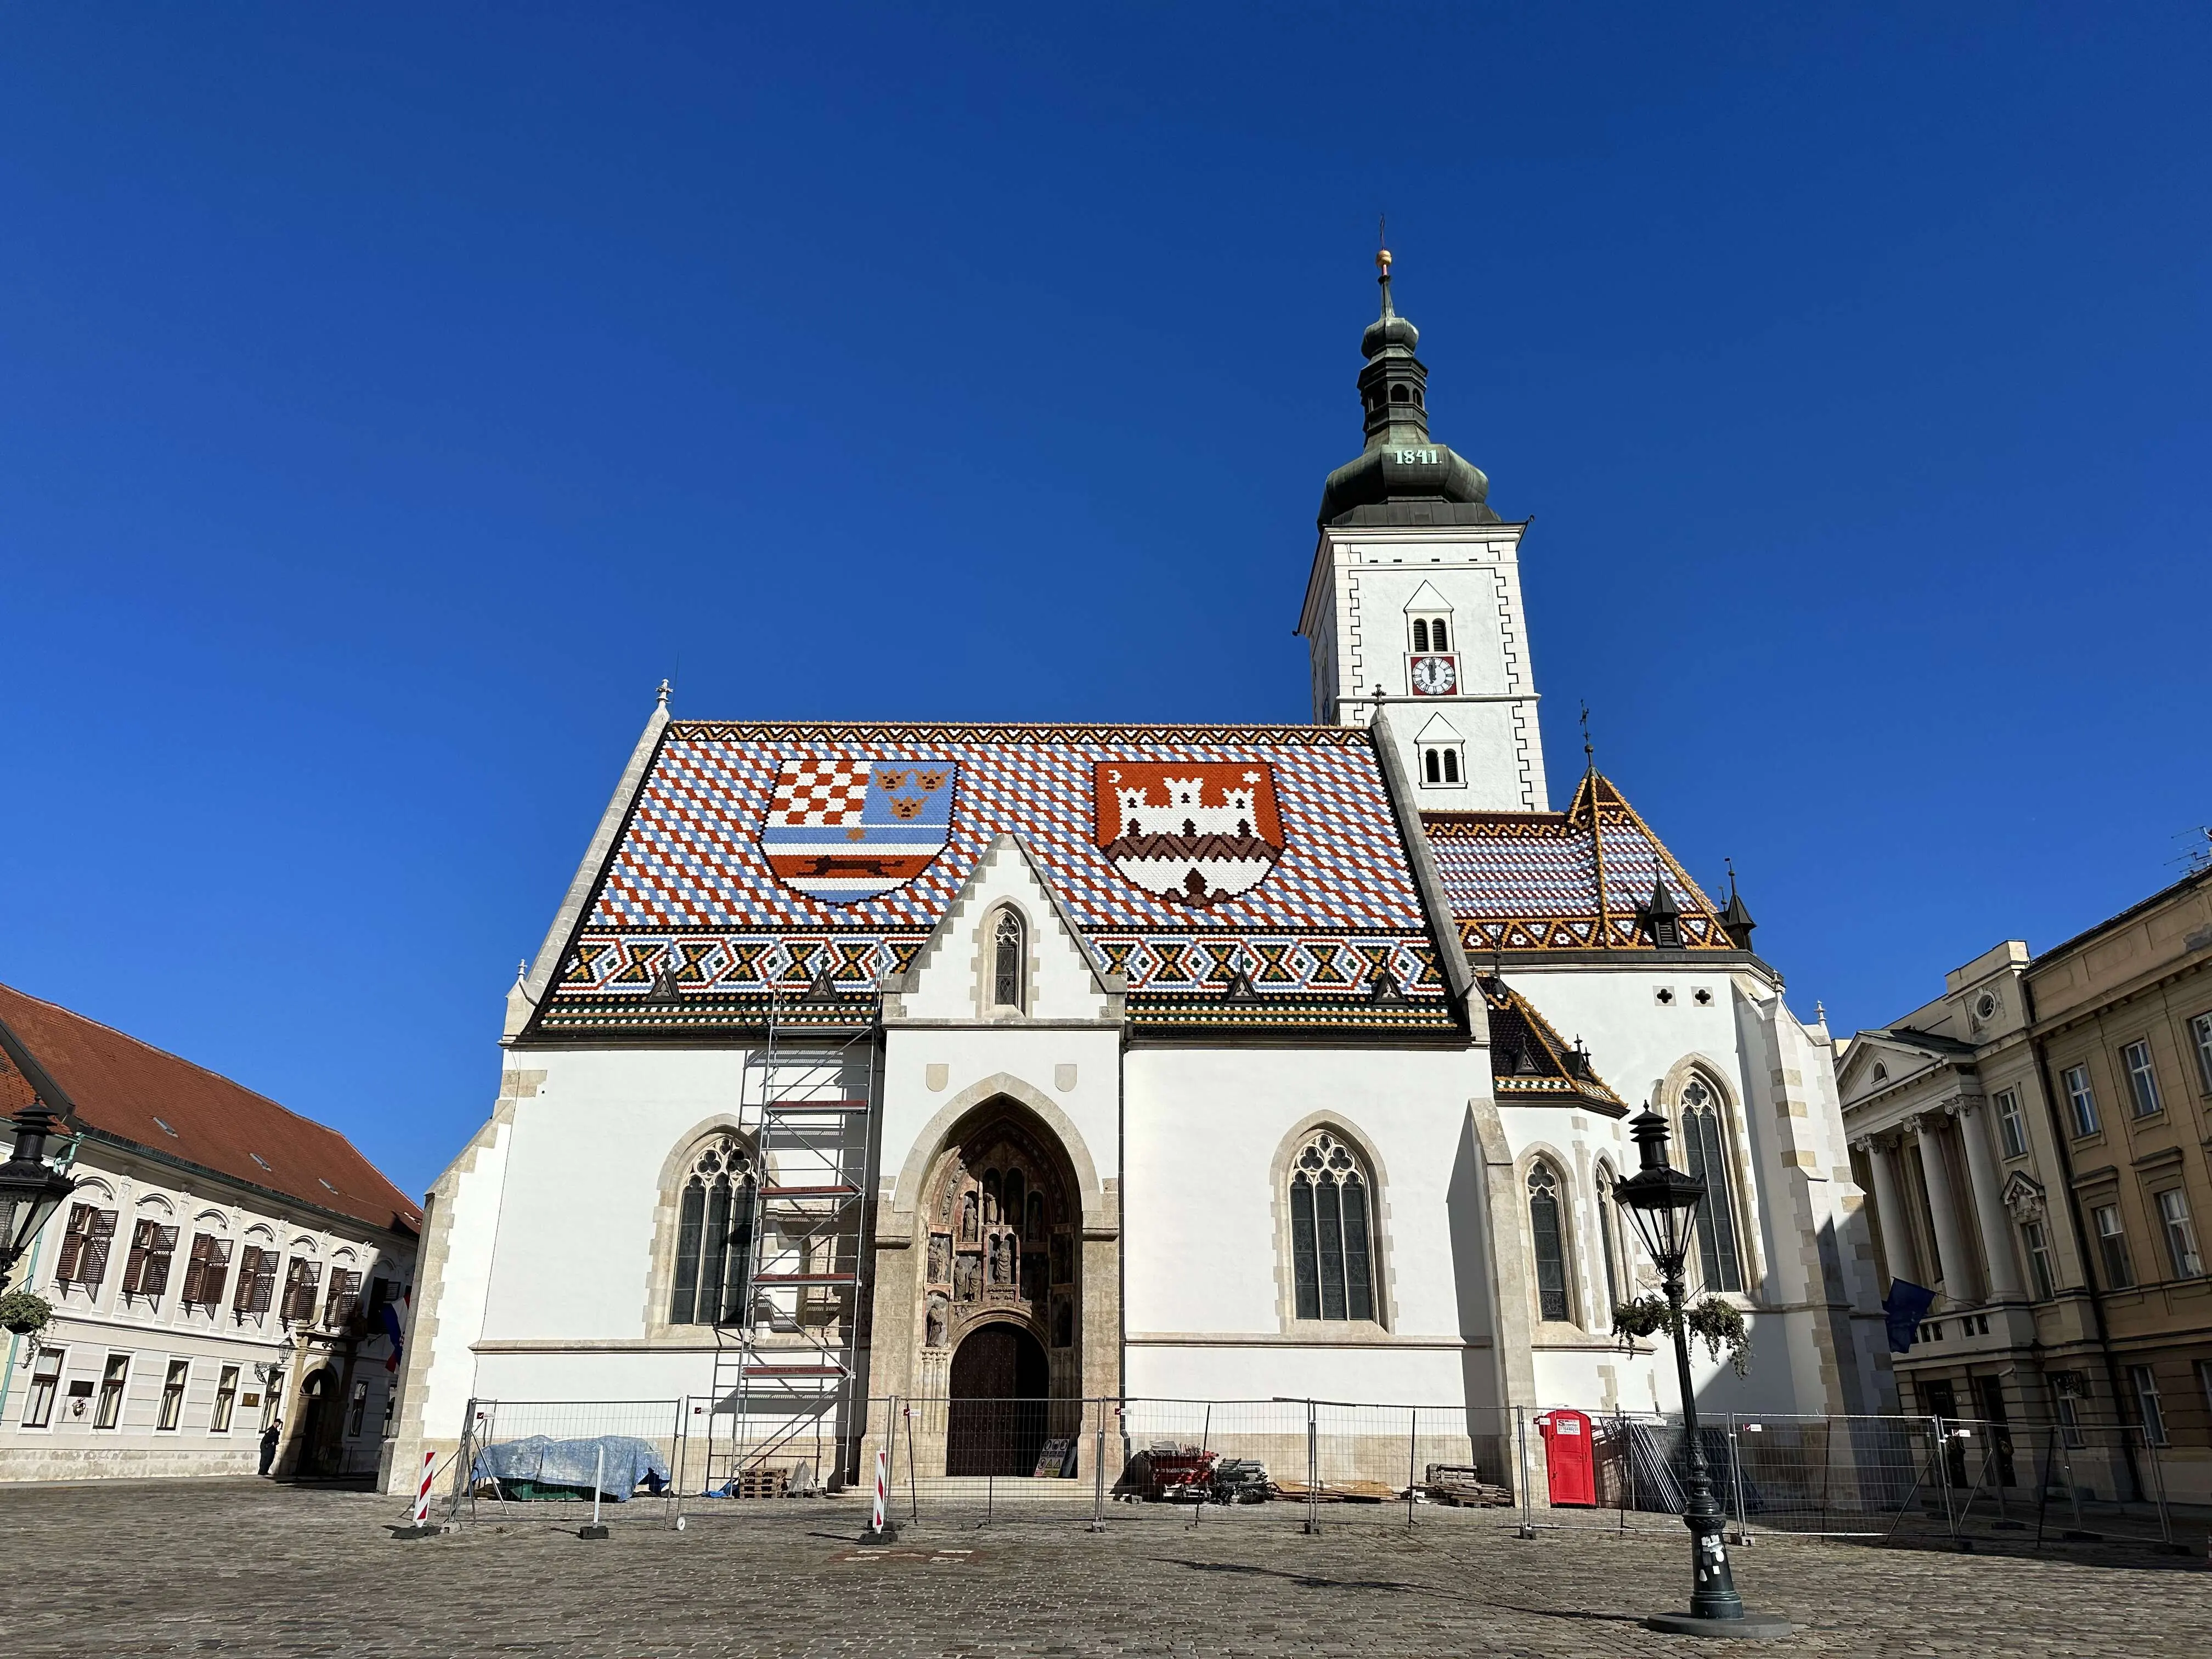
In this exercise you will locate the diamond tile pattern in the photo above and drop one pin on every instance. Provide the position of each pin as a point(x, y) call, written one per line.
point(1339, 905)
point(1531, 881)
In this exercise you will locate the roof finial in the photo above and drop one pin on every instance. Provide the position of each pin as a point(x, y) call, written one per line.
point(663, 693)
point(1382, 261)
point(1589, 753)
point(1731, 873)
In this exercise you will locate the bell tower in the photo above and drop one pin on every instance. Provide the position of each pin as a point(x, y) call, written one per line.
point(1412, 615)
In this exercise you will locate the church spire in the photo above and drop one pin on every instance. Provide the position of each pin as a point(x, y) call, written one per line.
point(1400, 464)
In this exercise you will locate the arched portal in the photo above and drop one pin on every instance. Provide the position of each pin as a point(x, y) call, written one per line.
point(1004, 1225)
point(996, 1422)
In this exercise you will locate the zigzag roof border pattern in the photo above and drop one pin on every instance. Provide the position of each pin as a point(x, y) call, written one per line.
point(1558, 881)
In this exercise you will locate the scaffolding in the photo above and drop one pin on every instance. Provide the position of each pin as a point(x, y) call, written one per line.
point(785, 1382)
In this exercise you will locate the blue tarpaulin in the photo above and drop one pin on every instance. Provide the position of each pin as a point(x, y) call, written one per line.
point(540, 1462)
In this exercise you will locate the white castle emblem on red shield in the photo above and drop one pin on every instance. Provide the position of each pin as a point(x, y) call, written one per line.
point(1191, 833)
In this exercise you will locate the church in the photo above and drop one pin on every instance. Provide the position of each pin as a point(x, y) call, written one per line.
point(1045, 1062)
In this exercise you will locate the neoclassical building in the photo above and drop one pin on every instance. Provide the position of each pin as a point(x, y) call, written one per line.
point(1041, 1062)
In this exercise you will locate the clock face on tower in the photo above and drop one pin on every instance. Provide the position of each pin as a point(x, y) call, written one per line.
point(1433, 676)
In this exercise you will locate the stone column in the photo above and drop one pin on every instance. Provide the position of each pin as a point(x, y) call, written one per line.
point(1989, 1203)
point(1889, 1211)
point(1943, 1206)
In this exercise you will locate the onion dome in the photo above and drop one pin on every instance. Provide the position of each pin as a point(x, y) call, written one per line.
point(1403, 477)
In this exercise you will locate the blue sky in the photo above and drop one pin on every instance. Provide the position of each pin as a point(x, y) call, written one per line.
point(392, 399)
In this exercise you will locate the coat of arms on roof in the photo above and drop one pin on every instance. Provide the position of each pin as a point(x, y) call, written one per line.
point(1190, 833)
point(842, 830)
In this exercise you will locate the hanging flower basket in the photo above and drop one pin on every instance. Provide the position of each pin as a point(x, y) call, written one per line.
point(24, 1314)
point(1715, 1323)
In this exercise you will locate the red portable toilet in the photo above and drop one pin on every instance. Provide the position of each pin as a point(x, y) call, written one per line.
point(1568, 1453)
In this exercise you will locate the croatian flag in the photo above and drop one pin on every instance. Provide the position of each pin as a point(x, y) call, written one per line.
point(390, 1313)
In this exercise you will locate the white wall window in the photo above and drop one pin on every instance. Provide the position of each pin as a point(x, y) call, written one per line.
point(2012, 1128)
point(1548, 1228)
point(1608, 1242)
point(2082, 1099)
point(112, 1379)
point(356, 1409)
point(2113, 1245)
point(2200, 1036)
point(2142, 1080)
point(1432, 634)
point(2032, 1235)
point(1009, 960)
point(1332, 1248)
point(82, 1258)
point(225, 1401)
point(173, 1393)
point(2149, 1408)
point(2180, 1233)
point(1704, 1154)
point(1440, 765)
point(714, 1234)
point(45, 1383)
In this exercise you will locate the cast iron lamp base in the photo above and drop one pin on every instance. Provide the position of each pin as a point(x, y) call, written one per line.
point(1752, 1627)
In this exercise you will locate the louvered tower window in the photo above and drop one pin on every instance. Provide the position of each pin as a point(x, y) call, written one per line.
point(1332, 1263)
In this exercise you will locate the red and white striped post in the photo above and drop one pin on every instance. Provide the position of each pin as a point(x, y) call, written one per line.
point(423, 1490)
point(883, 1487)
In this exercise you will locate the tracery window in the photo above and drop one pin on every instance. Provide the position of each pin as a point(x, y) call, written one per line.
point(1009, 946)
point(714, 1225)
point(1608, 1244)
point(1704, 1154)
point(1332, 1254)
point(1546, 1224)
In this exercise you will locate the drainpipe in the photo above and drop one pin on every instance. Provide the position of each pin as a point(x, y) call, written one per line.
point(2061, 1139)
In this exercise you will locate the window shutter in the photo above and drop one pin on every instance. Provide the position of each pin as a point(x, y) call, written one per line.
point(91, 1266)
point(218, 1262)
point(158, 1258)
point(196, 1271)
point(249, 1268)
point(134, 1264)
point(72, 1252)
point(264, 1282)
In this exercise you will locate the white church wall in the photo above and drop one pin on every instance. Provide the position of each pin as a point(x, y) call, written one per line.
point(1073, 1071)
point(1209, 1131)
point(575, 1252)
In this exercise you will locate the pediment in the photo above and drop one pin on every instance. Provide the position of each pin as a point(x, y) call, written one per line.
point(952, 977)
point(1876, 1061)
point(1427, 602)
point(1439, 730)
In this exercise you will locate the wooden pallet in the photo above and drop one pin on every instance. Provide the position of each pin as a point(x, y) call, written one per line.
point(759, 1483)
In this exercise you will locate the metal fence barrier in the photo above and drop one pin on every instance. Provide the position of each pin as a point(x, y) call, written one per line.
point(1317, 1463)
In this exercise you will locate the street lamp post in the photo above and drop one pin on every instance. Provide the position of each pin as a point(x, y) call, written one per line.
point(31, 1189)
point(1662, 1202)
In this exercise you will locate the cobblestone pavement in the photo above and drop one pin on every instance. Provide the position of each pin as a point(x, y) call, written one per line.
point(239, 1566)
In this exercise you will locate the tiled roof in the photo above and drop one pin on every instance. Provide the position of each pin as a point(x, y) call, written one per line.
point(1572, 880)
point(758, 858)
point(1529, 1065)
point(131, 1091)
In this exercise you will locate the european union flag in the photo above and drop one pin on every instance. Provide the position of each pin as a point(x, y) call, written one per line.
point(1907, 1305)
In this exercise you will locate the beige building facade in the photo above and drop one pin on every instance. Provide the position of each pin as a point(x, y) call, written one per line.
point(2037, 1143)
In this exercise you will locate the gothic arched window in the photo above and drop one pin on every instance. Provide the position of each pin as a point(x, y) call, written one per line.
point(1548, 1225)
point(1704, 1154)
point(1332, 1254)
point(714, 1234)
point(1608, 1243)
point(1008, 948)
